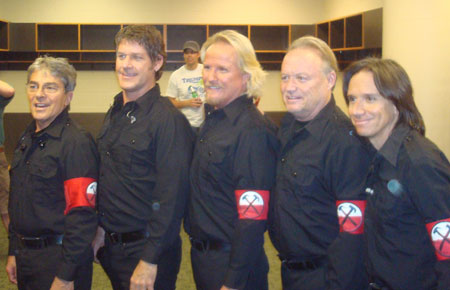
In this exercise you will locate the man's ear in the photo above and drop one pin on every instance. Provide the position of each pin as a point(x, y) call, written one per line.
point(158, 63)
point(69, 96)
point(331, 78)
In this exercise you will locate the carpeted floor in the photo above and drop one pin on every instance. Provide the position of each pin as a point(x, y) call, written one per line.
point(184, 282)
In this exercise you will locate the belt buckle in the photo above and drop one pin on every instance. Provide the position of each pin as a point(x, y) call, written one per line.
point(115, 238)
point(199, 245)
point(33, 243)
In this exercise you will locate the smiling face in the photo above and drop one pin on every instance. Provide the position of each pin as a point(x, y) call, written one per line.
point(223, 79)
point(47, 97)
point(191, 58)
point(306, 89)
point(373, 115)
point(135, 70)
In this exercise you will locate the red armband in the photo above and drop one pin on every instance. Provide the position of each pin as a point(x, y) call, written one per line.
point(252, 204)
point(80, 191)
point(439, 232)
point(351, 216)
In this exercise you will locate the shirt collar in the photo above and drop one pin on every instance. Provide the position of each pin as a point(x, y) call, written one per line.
point(391, 147)
point(145, 101)
point(315, 126)
point(233, 109)
point(54, 129)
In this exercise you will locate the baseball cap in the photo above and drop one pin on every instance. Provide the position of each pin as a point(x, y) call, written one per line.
point(191, 45)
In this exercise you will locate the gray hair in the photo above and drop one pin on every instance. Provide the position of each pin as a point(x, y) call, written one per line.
point(320, 46)
point(58, 67)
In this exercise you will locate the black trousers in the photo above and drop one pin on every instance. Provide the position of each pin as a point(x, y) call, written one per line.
point(36, 269)
point(303, 279)
point(210, 267)
point(120, 260)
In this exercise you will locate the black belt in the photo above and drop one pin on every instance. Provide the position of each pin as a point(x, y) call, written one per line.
point(311, 264)
point(205, 245)
point(129, 237)
point(377, 286)
point(39, 242)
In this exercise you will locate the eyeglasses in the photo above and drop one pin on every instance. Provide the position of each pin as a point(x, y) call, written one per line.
point(47, 88)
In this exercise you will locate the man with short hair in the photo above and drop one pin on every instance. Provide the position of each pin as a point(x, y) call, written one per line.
point(185, 88)
point(232, 172)
point(53, 188)
point(318, 203)
point(6, 95)
point(145, 148)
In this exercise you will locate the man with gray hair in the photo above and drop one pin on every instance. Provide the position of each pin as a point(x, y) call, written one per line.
point(53, 188)
point(232, 172)
point(317, 216)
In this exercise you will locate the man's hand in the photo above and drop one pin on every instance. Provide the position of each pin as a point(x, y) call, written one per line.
point(98, 242)
point(226, 288)
point(195, 103)
point(144, 276)
point(5, 220)
point(59, 284)
point(11, 269)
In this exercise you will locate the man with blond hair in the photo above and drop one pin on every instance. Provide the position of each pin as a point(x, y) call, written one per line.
point(232, 172)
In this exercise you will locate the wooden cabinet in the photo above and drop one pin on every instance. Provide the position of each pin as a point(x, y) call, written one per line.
point(4, 35)
point(91, 46)
point(353, 37)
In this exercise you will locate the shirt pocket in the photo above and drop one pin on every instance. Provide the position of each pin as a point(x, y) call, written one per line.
point(134, 154)
point(48, 187)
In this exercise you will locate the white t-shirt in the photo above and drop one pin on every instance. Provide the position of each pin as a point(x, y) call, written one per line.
point(185, 84)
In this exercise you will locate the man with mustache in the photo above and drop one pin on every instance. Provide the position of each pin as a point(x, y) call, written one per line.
point(232, 172)
point(145, 148)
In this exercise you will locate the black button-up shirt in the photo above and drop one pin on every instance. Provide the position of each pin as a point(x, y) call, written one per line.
point(321, 162)
point(145, 148)
point(235, 150)
point(42, 163)
point(408, 187)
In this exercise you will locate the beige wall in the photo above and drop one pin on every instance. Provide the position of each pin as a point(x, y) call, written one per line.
point(158, 11)
point(415, 33)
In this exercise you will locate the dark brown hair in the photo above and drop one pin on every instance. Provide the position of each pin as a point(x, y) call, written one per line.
point(392, 83)
point(147, 36)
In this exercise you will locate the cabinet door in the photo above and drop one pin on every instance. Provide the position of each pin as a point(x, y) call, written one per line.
point(4, 35)
point(270, 37)
point(57, 37)
point(98, 37)
point(213, 29)
point(177, 35)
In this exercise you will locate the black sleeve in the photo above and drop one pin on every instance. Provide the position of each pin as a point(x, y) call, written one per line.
point(80, 167)
point(174, 144)
point(253, 169)
point(349, 164)
point(429, 186)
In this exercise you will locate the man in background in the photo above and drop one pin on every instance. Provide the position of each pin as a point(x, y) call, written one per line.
point(145, 148)
point(6, 95)
point(185, 88)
